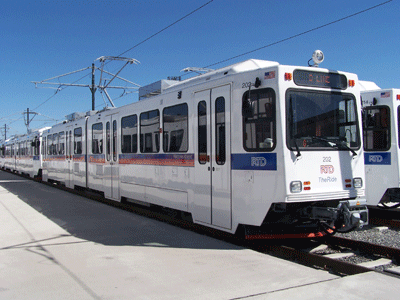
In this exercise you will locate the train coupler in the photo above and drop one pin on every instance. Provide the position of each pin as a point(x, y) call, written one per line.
point(347, 216)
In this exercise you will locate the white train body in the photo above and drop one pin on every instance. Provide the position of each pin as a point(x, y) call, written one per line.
point(255, 143)
point(22, 154)
point(381, 109)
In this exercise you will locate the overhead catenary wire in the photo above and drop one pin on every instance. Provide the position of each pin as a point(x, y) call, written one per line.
point(172, 24)
point(145, 40)
point(300, 34)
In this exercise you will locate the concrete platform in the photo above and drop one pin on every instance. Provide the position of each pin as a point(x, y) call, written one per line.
point(55, 245)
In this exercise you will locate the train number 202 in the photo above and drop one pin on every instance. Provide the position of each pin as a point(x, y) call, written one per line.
point(246, 85)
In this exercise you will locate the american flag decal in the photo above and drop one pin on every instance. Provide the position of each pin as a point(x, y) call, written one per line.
point(269, 75)
point(385, 95)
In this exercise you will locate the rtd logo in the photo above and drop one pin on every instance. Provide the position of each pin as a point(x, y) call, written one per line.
point(375, 158)
point(327, 169)
point(258, 162)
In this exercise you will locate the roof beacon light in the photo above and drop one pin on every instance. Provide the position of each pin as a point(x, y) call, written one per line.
point(317, 57)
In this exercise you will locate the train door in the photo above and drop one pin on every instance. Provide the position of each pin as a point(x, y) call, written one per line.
point(111, 171)
point(213, 203)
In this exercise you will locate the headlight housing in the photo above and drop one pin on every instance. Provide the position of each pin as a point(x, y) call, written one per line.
point(357, 183)
point(295, 187)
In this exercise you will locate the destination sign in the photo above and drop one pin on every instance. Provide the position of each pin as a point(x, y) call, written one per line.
point(319, 79)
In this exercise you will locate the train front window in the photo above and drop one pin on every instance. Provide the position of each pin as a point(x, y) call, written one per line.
point(321, 120)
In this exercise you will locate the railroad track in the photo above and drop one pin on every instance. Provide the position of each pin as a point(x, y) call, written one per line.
point(337, 255)
point(384, 216)
point(315, 254)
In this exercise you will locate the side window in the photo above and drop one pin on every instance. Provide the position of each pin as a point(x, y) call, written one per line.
point(175, 128)
point(108, 141)
point(61, 148)
point(78, 140)
point(202, 132)
point(376, 128)
point(220, 140)
point(259, 122)
point(398, 124)
point(97, 138)
point(114, 140)
point(129, 134)
point(55, 144)
point(44, 146)
point(49, 144)
point(149, 131)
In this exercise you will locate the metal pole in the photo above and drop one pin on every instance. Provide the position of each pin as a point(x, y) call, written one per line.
point(27, 113)
point(93, 88)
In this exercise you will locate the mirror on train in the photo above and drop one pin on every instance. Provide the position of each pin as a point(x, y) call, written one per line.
point(247, 109)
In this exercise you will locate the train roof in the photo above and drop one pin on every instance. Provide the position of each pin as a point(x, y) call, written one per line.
point(368, 86)
point(160, 86)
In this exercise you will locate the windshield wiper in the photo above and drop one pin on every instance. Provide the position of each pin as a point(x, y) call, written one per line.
point(297, 148)
point(333, 144)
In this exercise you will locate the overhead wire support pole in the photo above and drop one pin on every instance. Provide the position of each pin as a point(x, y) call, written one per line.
point(28, 119)
point(102, 59)
point(93, 87)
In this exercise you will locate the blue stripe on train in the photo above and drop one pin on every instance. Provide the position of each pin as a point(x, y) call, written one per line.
point(254, 161)
point(381, 158)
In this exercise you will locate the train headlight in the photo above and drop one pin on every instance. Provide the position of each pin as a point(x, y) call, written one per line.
point(357, 183)
point(295, 187)
point(318, 57)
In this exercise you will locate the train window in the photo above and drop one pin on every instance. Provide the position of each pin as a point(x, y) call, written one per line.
point(108, 142)
point(78, 140)
point(114, 145)
point(44, 146)
point(55, 144)
point(376, 128)
point(49, 144)
point(129, 134)
point(149, 131)
point(321, 120)
point(97, 138)
point(259, 122)
point(70, 145)
point(61, 144)
point(398, 124)
point(175, 128)
point(220, 140)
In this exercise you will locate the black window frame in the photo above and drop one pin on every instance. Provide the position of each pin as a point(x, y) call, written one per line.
point(126, 123)
point(169, 135)
point(366, 124)
point(149, 145)
point(318, 143)
point(260, 121)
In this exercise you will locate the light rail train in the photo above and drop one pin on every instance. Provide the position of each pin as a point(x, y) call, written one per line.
point(255, 147)
point(381, 117)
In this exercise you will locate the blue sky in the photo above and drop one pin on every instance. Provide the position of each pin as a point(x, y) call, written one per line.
point(44, 38)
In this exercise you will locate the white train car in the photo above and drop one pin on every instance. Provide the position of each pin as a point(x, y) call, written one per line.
point(64, 152)
point(21, 154)
point(381, 109)
point(9, 160)
point(256, 145)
